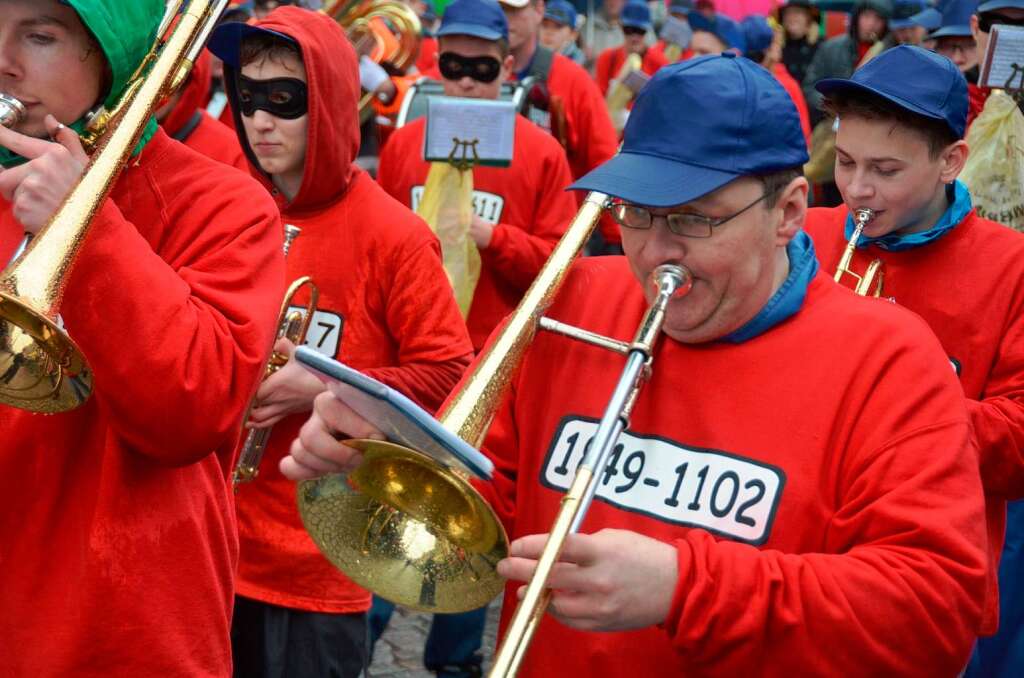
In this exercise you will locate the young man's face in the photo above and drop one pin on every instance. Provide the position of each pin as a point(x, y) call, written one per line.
point(733, 271)
point(553, 34)
point(469, 47)
point(703, 43)
point(962, 51)
point(523, 22)
point(633, 40)
point(48, 61)
point(911, 35)
point(279, 144)
point(870, 25)
point(797, 22)
point(887, 167)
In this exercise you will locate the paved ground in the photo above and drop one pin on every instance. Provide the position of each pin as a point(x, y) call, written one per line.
point(399, 653)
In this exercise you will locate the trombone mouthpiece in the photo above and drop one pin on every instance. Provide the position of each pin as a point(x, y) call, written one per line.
point(863, 215)
point(12, 111)
point(671, 280)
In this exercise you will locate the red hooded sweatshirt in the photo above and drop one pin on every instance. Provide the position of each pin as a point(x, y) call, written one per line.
point(189, 123)
point(386, 308)
point(797, 95)
point(117, 538)
point(526, 202)
point(968, 285)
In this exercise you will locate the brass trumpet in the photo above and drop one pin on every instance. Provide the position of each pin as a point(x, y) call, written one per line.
point(874, 273)
point(291, 325)
point(411, 529)
point(41, 368)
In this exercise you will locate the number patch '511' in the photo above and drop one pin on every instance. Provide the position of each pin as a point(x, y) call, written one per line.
point(720, 492)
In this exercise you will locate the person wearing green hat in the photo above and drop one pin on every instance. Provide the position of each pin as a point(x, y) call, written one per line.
point(117, 533)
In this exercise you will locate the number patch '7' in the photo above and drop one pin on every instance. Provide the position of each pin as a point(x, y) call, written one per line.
point(324, 332)
point(720, 492)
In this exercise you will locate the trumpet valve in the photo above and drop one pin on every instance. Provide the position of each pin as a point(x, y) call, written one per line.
point(12, 111)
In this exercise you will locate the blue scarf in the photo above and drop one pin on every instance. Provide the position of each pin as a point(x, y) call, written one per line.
point(959, 207)
point(788, 299)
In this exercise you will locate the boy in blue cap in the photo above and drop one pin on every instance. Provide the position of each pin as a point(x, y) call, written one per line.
point(558, 30)
point(636, 23)
point(715, 35)
point(954, 39)
point(906, 29)
point(899, 150)
point(798, 465)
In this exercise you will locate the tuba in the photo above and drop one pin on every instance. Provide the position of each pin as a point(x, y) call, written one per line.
point(292, 324)
point(874, 272)
point(41, 368)
point(387, 31)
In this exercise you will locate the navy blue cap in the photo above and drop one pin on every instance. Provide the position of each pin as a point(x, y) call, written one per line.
point(561, 12)
point(929, 19)
point(226, 40)
point(696, 126)
point(956, 19)
point(482, 19)
point(993, 5)
point(913, 78)
point(757, 33)
point(636, 15)
point(727, 30)
point(904, 11)
point(680, 6)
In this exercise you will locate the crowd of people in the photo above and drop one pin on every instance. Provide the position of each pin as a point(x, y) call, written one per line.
point(813, 481)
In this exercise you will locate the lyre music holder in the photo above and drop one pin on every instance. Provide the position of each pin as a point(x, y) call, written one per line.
point(464, 154)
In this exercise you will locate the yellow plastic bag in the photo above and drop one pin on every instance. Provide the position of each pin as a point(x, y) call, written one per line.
point(447, 207)
point(994, 172)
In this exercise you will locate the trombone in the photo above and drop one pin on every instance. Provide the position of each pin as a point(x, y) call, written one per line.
point(292, 325)
point(41, 368)
point(874, 272)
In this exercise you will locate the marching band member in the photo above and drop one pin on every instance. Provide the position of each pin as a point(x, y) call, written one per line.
point(799, 465)
point(558, 30)
point(118, 541)
point(185, 119)
point(763, 45)
point(385, 308)
point(636, 22)
point(899, 150)
point(520, 211)
point(715, 35)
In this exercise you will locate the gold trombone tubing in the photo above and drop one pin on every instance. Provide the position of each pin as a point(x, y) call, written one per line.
point(874, 273)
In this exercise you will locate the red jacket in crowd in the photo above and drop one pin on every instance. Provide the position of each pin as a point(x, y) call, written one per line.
point(610, 61)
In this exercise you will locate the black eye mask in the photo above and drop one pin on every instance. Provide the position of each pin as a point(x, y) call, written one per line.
point(455, 66)
point(281, 97)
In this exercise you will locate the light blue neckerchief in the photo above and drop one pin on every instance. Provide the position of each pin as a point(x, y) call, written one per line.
point(788, 299)
point(959, 207)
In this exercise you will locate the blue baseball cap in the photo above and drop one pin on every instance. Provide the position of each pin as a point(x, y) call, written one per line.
point(226, 40)
point(913, 78)
point(956, 19)
point(561, 12)
point(482, 19)
point(929, 18)
point(636, 15)
point(721, 26)
point(695, 127)
point(904, 11)
point(757, 33)
point(993, 5)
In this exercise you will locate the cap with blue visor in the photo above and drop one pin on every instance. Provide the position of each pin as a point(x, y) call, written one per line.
point(636, 15)
point(695, 127)
point(903, 13)
point(482, 19)
point(721, 26)
point(757, 34)
point(956, 19)
point(561, 12)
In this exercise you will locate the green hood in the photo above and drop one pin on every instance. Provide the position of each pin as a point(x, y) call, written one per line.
point(125, 30)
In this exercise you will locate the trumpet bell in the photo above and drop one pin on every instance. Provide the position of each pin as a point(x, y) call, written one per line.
point(408, 529)
point(41, 369)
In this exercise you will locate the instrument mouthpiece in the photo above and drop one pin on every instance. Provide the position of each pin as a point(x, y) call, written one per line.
point(864, 214)
point(12, 111)
point(671, 280)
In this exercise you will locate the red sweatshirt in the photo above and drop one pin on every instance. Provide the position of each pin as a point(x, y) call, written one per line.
point(797, 95)
point(610, 61)
point(117, 537)
point(190, 124)
point(816, 481)
point(526, 202)
point(969, 287)
point(385, 307)
point(976, 98)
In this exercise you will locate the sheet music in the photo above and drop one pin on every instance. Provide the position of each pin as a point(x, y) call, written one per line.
point(1004, 59)
point(490, 123)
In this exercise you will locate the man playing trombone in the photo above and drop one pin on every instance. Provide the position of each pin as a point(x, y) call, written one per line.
point(796, 493)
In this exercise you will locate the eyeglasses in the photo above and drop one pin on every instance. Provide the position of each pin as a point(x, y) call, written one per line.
point(686, 224)
point(455, 67)
point(948, 48)
point(986, 20)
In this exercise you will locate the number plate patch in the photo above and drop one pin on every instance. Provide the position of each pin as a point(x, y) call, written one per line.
point(720, 492)
point(324, 333)
point(487, 206)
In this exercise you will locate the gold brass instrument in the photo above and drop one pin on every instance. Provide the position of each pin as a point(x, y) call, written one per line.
point(620, 93)
point(291, 325)
point(874, 272)
point(385, 30)
point(415, 531)
point(668, 282)
point(12, 111)
point(41, 368)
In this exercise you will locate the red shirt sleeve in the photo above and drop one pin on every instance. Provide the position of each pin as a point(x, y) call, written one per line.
point(603, 70)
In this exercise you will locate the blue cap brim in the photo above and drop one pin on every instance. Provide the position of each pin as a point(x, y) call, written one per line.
point(951, 32)
point(472, 30)
point(652, 181)
point(992, 5)
point(899, 24)
point(636, 24)
point(226, 41)
point(832, 85)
